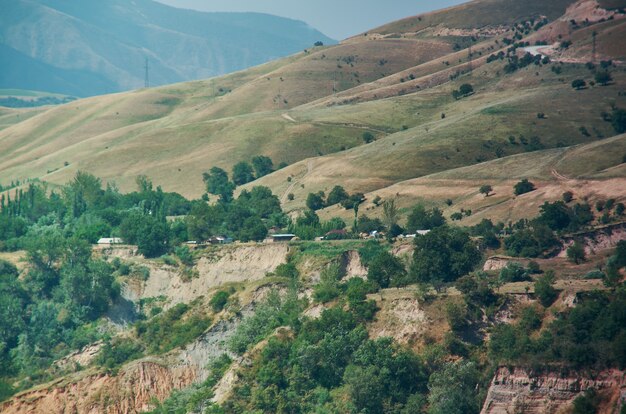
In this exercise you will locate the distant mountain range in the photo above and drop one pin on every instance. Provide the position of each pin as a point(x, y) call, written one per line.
point(86, 48)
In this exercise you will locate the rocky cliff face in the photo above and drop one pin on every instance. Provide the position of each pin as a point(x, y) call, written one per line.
point(131, 391)
point(517, 391)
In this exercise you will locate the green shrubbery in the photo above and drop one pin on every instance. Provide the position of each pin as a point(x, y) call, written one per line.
point(176, 327)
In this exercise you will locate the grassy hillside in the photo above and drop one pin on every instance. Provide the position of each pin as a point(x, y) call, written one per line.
point(476, 15)
point(311, 110)
point(592, 172)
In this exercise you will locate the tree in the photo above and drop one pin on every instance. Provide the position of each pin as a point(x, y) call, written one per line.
point(336, 196)
point(261, 201)
point(144, 184)
point(353, 201)
point(555, 215)
point(253, 230)
point(443, 255)
point(523, 187)
point(576, 253)
point(315, 201)
point(422, 219)
point(242, 173)
point(453, 389)
point(366, 224)
point(89, 288)
point(486, 190)
point(618, 120)
point(466, 89)
point(578, 84)
point(391, 214)
point(368, 137)
point(217, 183)
point(152, 237)
point(262, 165)
point(204, 221)
point(603, 78)
point(385, 270)
point(544, 290)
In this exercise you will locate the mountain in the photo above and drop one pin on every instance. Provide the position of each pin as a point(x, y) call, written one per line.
point(96, 47)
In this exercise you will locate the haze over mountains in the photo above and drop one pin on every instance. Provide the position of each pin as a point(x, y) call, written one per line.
point(86, 48)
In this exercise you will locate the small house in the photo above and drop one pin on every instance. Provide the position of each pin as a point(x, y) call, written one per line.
point(107, 241)
point(281, 238)
point(220, 240)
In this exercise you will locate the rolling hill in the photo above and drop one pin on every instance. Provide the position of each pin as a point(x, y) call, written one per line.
point(310, 110)
point(90, 48)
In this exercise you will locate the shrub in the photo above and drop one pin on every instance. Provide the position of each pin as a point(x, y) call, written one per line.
point(456, 315)
point(578, 84)
point(523, 187)
point(219, 301)
point(595, 274)
point(534, 268)
point(586, 403)
point(544, 290)
point(287, 270)
point(603, 78)
point(368, 137)
point(185, 255)
point(174, 328)
point(514, 272)
point(117, 351)
point(576, 253)
point(328, 288)
point(568, 196)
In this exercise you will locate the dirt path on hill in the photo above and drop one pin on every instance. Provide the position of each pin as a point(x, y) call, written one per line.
point(558, 176)
point(288, 118)
point(309, 169)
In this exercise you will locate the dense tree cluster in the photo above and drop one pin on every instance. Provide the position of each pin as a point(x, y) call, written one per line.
point(338, 195)
point(590, 335)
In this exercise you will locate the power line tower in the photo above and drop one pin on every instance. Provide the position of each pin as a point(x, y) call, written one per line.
point(147, 78)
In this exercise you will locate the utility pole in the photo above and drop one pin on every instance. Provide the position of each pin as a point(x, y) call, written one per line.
point(469, 59)
point(593, 52)
point(147, 79)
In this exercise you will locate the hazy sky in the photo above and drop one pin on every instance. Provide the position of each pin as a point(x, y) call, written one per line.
point(335, 18)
